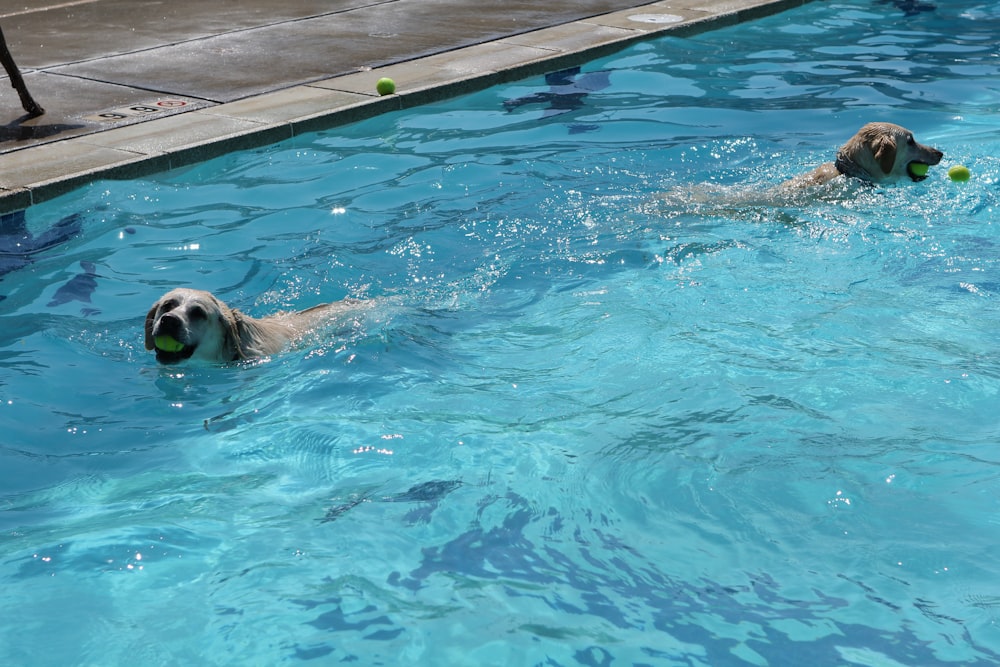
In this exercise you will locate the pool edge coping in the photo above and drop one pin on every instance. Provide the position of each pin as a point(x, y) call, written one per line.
point(39, 173)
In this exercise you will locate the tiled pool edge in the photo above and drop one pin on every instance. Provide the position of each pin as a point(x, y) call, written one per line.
point(43, 172)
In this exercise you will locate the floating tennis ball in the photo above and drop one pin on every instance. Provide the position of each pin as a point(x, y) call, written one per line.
point(385, 86)
point(959, 173)
point(919, 168)
point(168, 344)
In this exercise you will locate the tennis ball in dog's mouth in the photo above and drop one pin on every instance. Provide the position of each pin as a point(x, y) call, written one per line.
point(385, 86)
point(919, 168)
point(168, 344)
point(959, 173)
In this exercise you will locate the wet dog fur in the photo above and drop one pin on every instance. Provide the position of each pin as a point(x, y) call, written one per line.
point(877, 153)
point(210, 330)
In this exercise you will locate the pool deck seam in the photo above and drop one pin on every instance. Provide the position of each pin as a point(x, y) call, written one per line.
point(40, 172)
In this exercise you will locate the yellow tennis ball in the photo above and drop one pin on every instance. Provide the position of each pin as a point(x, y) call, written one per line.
point(168, 344)
point(959, 173)
point(385, 86)
point(919, 168)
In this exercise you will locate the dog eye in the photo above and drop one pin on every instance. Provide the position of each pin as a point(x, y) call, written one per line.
point(910, 140)
point(168, 305)
point(197, 313)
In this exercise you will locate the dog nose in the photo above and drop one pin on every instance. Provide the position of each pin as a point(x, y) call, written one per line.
point(169, 325)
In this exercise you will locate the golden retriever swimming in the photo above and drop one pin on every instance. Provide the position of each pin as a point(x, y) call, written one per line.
point(187, 323)
point(878, 153)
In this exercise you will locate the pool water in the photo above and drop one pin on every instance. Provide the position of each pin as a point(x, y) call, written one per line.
point(613, 404)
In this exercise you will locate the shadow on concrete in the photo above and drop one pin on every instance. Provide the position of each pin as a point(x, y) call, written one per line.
point(17, 130)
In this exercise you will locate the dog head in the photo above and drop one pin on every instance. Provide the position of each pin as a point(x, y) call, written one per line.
point(884, 152)
point(204, 327)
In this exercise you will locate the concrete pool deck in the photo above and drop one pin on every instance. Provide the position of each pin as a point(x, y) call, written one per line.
point(133, 88)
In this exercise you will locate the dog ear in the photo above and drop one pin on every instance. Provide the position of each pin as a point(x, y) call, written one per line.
point(150, 320)
point(232, 342)
point(885, 152)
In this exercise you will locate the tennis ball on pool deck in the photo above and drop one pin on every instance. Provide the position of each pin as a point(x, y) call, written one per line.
point(959, 173)
point(385, 86)
point(168, 344)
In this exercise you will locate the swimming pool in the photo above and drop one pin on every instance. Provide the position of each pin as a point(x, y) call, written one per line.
point(586, 424)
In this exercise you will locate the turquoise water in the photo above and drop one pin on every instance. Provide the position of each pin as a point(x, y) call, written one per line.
point(614, 405)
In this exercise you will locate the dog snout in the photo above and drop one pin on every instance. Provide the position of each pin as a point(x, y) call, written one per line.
point(929, 154)
point(169, 325)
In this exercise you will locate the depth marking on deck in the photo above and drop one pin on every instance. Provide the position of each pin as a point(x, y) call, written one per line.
point(147, 109)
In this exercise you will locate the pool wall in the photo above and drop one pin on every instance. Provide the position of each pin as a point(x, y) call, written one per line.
point(42, 172)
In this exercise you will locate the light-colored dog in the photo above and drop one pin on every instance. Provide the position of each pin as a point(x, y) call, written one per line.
point(878, 153)
point(205, 328)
